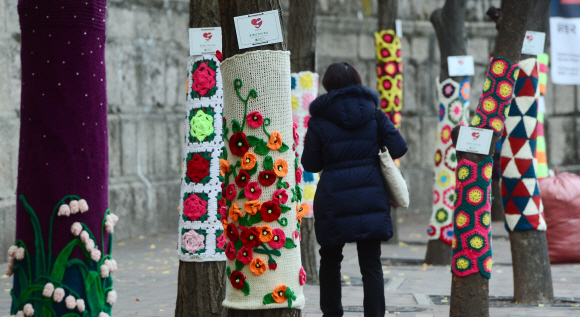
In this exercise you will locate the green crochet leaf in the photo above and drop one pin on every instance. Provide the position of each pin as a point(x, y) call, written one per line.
point(268, 163)
point(246, 289)
point(255, 218)
point(283, 221)
point(253, 141)
point(268, 299)
point(262, 148)
point(238, 244)
point(253, 170)
point(239, 265)
point(94, 291)
point(27, 293)
point(284, 208)
point(280, 184)
point(236, 126)
point(283, 148)
point(228, 271)
point(241, 194)
point(289, 244)
point(59, 265)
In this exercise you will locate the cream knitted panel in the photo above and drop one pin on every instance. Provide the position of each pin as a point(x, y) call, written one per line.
point(258, 130)
point(453, 110)
point(304, 91)
point(200, 228)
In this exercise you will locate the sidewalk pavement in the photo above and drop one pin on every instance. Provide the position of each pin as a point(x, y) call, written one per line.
point(146, 280)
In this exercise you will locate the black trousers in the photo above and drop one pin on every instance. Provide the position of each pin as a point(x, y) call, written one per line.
point(369, 254)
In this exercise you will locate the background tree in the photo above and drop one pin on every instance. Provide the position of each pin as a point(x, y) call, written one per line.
point(201, 286)
point(302, 45)
point(470, 294)
point(228, 10)
point(449, 26)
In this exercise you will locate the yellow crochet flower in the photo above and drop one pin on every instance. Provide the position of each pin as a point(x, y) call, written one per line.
point(201, 125)
point(489, 105)
point(463, 173)
point(476, 242)
point(475, 121)
point(487, 171)
point(294, 103)
point(462, 263)
point(476, 195)
point(498, 67)
point(497, 125)
point(306, 81)
point(505, 90)
point(486, 84)
point(309, 192)
point(486, 220)
point(489, 264)
point(461, 220)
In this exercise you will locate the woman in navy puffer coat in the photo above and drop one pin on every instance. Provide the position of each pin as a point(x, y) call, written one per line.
point(351, 203)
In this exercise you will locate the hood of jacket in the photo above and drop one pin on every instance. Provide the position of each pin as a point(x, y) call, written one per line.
point(349, 107)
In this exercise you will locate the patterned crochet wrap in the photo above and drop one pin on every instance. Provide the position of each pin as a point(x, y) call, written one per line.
point(200, 228)
point(472, 232)
point(519, 184)
point(304, 91)
point(390, 74)
point(453, 110)
point(259, 131)
point(541, 142)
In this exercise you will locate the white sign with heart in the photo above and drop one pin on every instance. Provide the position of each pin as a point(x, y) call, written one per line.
point(258, 29)
point(534, 43)
point(474, 140)
point(205, 40)
point(460, 65)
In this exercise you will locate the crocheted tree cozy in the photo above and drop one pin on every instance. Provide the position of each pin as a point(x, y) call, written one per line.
point(472, 231)
point(453, 110)
point(542, 170)
point(390, 74)
point(496, 97)
point(260, 186)
point(304, 90)
point(201, 235)
point(519, 184)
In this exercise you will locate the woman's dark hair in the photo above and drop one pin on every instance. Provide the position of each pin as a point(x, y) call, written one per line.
point(340, 75)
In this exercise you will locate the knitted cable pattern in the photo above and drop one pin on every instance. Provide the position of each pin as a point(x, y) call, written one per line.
point(261, 190)
point(453, 110)
point(304, 90)
point(472, 221)
point(541, 142)
point(201, 235)
point(497, 95)
point(520, 192)
point(390, 74)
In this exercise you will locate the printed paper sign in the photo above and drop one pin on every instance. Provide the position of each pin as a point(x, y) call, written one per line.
point(460, 65)
point(474, 140)
point(534, 43)
point(205, 40)
point(565, 43)
point(258, 29)
point(399, 28)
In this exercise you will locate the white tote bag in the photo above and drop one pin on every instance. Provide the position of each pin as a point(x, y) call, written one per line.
point(394, 182)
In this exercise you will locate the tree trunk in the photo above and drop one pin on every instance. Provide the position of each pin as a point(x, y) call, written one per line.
point(531, 262)
point(497, 212)
point(470, 294)
point(302, 45)
point(387, 12)
point(448, 23)
point(199, 290)
point(228, 10)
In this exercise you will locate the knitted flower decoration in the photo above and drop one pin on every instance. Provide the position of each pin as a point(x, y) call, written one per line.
point(237, 279)
point(230, 251)
point(234, 212)
point(266, 233)
point(197, 168)
point(253, 191)
point(252, 206)
point(239, 144)
point(280, 196)
point(278, 239)
point(255, 119)
point(232, 232)
point(203, 79)
point(193, 241)
point(258, 266)
point(242, 179)
point(267, 178)
point(270, 211)
point(302, 276)
point(275, 142)
point(248, 161)
point(250, 237)
point(231, 192)
point(201, 125)
point(224, 167)
point(194, 207)
point(281, 167)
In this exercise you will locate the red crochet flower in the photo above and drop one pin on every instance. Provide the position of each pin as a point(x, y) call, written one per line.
point(231, 192)
point(237, 279)
point(296, 136)
point(253, 191)
point(230, 251)
point(255, 119)
point(267, 178)
point(250, 237)
point(280, 196)
point(278, 240)
point(245, 255)
point(299, 175)
point(242, 179)
point(272, 265)
point(219, 55)
point(194, 207)
point(270, 211)
point(197, 168)
point(203, 79)
point(239, 144)
point(232, 232)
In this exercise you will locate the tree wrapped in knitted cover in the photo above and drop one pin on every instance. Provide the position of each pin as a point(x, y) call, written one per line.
point(541, 142)
point(262, 194)
point(63, 150)
point(201, 235)
point(390, 74)
point(519, 183)
point(453, 110)
point(304, 90)
point(472, 221)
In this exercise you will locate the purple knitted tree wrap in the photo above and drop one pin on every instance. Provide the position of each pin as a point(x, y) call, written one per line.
point(63, 131)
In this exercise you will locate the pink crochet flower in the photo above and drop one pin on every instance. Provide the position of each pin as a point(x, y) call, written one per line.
point(193, 241)
point(255, 119)
point(302, 276)
point(70, 302)
point(230, 251)
point(221, 241)
point(252, 190)
point(280, 196)
point(296, 135)
point(306, 100)
point(58, 295)
point(296, 236)
point(194, 207)
point(76, 228)
point(245, 255)
point(28, 310)
point(306, 119)
point(230, 192)
point(278, 239)
point(203, 79)
point(299, 175)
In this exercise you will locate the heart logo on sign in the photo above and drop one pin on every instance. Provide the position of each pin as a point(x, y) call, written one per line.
point(257, 23)
point(529, 38)
point(475, 135)
point(460, 62)
point(207, 36)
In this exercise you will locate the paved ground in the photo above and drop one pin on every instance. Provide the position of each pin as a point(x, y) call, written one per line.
point(147, 280)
